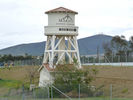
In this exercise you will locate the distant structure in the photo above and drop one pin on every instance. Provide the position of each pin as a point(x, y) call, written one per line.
point(61, 45)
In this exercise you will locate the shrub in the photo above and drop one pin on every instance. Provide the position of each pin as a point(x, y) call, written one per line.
point(67, 79)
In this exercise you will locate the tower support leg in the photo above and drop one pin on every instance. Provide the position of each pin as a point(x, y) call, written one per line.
point(56, 47)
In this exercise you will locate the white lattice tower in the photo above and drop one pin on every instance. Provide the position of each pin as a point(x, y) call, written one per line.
point(61, 45)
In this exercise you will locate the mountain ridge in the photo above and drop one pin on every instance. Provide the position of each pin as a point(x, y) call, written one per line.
point(87, 46)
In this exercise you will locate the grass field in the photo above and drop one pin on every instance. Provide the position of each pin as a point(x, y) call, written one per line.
point(15, 77)
point(121, 79)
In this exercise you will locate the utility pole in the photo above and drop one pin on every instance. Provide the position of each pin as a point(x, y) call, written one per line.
point(98, 54)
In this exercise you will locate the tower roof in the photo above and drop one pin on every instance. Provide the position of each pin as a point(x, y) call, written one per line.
point(61, 10)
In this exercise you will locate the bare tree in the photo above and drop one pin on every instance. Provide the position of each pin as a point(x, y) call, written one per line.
point(32, 73)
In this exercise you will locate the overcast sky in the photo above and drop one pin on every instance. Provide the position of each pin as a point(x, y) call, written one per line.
point(23, 21)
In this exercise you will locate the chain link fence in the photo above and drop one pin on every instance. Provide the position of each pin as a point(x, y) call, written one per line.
point(70, 92)
point(104, 59)
point(92, 60)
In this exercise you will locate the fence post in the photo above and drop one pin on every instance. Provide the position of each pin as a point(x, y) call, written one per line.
point(126, 57)
point(48, 94)
point(110, 91)
point(79, 91)
point(23, 92)
point(51, 93)
point(112, 57)
point(34, 95)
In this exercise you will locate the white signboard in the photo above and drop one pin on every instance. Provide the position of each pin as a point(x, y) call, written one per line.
point(61, 19)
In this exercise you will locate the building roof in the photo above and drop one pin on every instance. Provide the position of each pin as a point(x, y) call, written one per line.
point(61, 10)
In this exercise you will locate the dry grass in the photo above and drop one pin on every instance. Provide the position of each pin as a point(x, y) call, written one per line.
point(14, 77)
point(17, 73)
point(120, 77)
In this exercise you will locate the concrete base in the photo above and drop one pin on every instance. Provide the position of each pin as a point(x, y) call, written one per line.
point(45, 78)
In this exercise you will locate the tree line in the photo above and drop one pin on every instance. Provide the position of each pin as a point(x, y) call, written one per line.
point(9, 57)
point(119, 49)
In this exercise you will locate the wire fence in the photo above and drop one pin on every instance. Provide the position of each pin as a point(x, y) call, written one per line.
point(74, 92)
point(105, 59)
point(87, 60)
